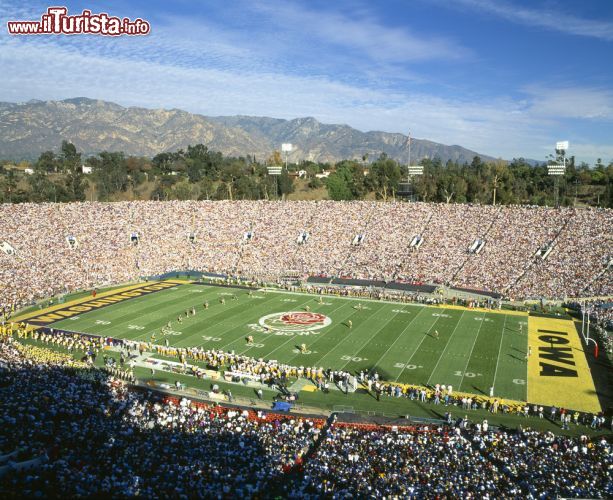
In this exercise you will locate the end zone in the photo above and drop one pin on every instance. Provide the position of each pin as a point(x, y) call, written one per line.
point(558, 371)
point(60, 312)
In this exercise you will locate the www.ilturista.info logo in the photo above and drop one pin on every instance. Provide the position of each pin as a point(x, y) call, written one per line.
point(291, 323)
point(56, 21)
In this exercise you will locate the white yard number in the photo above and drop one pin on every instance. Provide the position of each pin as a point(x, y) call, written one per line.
point(74, 318)
point(401, 311)
point(355, 359)
point(405, 366)
point(102, 322)
point(211, 339)
point(467, 374)
point(135, 327)
point(441, 315)
point(488, 320)
point(289, 300)
point(519, 381)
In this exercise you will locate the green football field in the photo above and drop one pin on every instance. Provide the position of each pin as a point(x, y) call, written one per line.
point(473, 350)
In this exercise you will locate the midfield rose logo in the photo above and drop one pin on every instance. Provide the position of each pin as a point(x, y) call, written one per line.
point(292, 323)
point(303, 318)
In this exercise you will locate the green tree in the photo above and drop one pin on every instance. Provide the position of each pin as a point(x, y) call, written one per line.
point(383, 177)
point(47, 162)
point(111, 173)
point(286, 184)
point(338, 185)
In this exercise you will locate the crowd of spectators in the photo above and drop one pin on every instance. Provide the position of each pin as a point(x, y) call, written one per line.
point(458, 462)
point(72, 431)
point(64, 247)
point(89, 436)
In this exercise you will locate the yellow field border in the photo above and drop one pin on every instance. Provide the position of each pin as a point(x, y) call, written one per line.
point(481, 309)
point(89, 298)
point(558, 371)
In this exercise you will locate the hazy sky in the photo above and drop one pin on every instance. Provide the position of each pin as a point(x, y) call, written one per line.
point(506, 78)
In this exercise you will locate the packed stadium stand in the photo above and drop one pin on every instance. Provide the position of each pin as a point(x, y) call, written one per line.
point(519, 251)
point(67, 430)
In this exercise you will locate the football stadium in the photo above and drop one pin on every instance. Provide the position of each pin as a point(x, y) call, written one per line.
point(306, 250)
point(299, 321)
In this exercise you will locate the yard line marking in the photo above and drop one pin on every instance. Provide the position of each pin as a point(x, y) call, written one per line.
point(348, 337)
point(398, 338)
point(213, 324)
point(370, 338)
point(117, 326)
point(471, 352)
point(269, 336)
point(445, 348)
point(499, 350)
point(339, 323)
point(163, 318)
point(293, 337)
point(418, 346)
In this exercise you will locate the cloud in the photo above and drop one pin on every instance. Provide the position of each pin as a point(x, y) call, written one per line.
point(363, 34)
point(48, 73)
point(216, 71)
point(555, 20)
point(571, 102)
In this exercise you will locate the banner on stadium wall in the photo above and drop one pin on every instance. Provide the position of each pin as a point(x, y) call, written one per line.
point(7, 248)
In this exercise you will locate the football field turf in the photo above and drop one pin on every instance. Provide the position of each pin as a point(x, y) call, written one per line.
point(473, 350)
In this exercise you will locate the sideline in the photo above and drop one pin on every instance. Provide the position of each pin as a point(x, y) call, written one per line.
point(506, 312)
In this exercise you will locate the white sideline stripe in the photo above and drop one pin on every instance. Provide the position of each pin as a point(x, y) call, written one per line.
point(359, 299)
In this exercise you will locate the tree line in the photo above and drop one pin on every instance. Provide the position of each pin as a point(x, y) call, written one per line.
point(199, 173)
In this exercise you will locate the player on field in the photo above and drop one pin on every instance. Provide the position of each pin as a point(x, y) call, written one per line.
point(303, 348)
point(193, 311)
point(205, 305)
point(436, 334)
point(307, 308)
point(222, 300)
point(349, 324)
point(250, 340)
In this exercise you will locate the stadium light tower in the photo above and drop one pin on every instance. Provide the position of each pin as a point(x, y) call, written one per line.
point(287, 149)
point(407, 189)
point(558, 170)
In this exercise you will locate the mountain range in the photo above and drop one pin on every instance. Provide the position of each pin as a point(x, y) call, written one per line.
point(27, 129)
